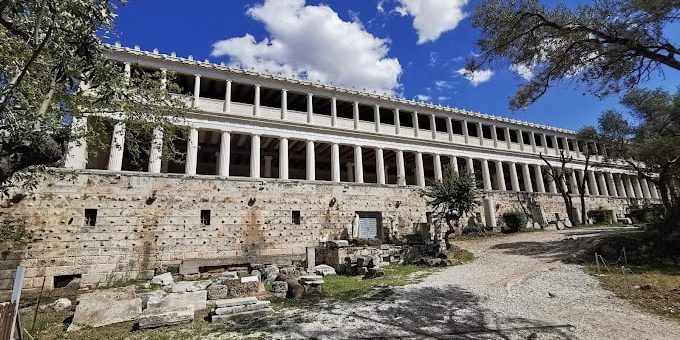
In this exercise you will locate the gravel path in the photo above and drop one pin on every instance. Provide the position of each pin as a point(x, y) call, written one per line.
point(517, 288)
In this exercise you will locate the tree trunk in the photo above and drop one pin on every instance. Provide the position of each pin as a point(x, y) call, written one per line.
point(448, 233)
point(584, 213)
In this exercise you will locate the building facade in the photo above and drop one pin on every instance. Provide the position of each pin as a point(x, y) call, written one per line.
point(274, 165)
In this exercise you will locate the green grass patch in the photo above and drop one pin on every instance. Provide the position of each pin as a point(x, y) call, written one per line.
point(656, 290)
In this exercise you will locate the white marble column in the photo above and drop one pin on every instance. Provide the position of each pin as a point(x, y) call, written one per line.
point(335, 162)
point(565, 144)
point(532, 141)
point(454, 163)
point(311, 161)
point(380, 165)
point(620, 188)
point(283, 158)
point(540, 185)
point(156, 151)
point(449, 128)
point(225, 154)
point(520, 139)
point(192, 152)
point(420, 173)
point(480, 133)
point(256, 105)
point(117, 146)
point(470, 166)
point(397, 121)
point(310, 108)
point(433, 126)
point(653, 190)
point(613, 192)
point(358, 164)
point(579, 177)
point(636, 186)
point(552, 185)
point(603, 184)
point(556, 144)
point(486, 175)
point(416, 128)
point(526, 175)
point(494, 136)
point(514, 181)
point(573, 183)
point(508, 140)
point(500, 176)
point(76, 157)
point(544, 142)
point(334, 111)
point(355, 114)
point(592, 183)
point(466, 133)
point(197, 91)
point(268, 166)
point(376, 117)
point(227, 96)
point(255, 156)
point(401, 171)
point(437, 167)
point(645, 188)
point(630, 193)
point(284, 104)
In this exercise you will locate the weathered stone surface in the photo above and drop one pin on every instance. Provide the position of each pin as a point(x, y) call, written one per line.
point(338, 243)
point(218, 291)
point(158, 317)
point(163, 279)
point(190, 286)
point(310, 278)
point(250, 314)
point(295, 289)
point(324, 270)
point(374, 272)
point(232, 289)
point(154, 295)
point(105, 307)
point(59, 304)
point(235, 302)
point(242, 308)
point(246, 289)
point(229, 275)
point(196, 299)
point(250, 279)
point(270, 272)
point(279, 288)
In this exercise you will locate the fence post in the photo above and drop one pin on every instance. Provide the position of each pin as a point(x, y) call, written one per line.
point(16, 296)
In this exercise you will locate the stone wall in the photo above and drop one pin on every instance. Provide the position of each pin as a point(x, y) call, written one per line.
point(145, 222)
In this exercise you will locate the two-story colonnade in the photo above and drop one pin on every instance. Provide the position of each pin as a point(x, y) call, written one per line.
point(273, 165)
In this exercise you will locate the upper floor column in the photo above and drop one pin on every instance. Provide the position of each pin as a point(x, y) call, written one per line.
point(480, 133)
point(227, 96)
point(520, 139)
point(397, 121)
point(466, 133)
point(197, 91)
point(532, 141)
point(310, 108)
point(256, 105)
point(117, 145)
point(376, 117)
point(494, 136)
point(433, 126)
point(334, 111)
point(544, 142)
point(506, 134)
point(414, 118)
point(449, 128)
point(284, 104)
point(355, 114)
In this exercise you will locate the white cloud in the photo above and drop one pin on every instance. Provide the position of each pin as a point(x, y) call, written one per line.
point(380, 7)
point(431, 18)
point(443, 98)
point(314, 42)
point(443, 84)
point(476, 77)
point(422, 98)
point(523, 71)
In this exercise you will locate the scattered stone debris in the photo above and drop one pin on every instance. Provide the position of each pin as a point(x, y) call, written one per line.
point(279, 289)
point(311, 283)
point(162, 316)
point(190, 286)
point(164, 279)
point(240, 307)
point(58, 305)
point(154, 295)
point(105, 307)
point(324, 270)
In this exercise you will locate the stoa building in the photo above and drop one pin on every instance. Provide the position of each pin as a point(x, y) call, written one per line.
point(273, 166)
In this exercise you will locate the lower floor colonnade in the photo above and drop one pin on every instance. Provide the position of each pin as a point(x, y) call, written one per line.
point(251, 155)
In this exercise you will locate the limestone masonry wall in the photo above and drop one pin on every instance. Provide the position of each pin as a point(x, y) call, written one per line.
point(146, 222)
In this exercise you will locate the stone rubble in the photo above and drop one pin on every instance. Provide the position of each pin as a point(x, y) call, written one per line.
point(196, 299)
point(164, 279)
point(238, 308)
point(324, 270)
point(106, 307)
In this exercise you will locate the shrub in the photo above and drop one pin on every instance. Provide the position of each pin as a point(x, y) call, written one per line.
point(646, 214)
point(601, 216)
point(514, 221)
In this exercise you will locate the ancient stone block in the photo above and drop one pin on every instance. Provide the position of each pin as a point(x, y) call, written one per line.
point(250, 314)
point(158, 317)
point(242, 308)
point(105, 307)
point(196, 299)
point(235, 302)
point(163, 279)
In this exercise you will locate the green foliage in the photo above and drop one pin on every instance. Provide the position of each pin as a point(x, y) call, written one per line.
point(514, 221)
point(608, 45)
point(454, 196)
point(14, 233)
point(601, 216)
point(652, 214)
point(54, 68)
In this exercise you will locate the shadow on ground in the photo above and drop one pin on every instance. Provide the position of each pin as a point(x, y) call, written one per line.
point(416, 313)
point(571, 249)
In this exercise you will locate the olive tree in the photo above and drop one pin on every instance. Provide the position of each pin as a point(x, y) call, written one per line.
point(608, 45)
point(54, 69)
point(451, 199)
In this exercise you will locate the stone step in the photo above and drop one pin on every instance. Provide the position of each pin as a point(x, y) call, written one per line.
point(235, 302)
point(249, 314)
point(242, 308)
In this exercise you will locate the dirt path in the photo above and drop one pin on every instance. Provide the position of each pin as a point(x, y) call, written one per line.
point(517, 288)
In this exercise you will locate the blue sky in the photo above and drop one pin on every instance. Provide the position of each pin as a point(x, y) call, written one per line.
point(416, 50)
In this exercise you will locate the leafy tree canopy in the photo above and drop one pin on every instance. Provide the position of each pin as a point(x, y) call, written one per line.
point(609, 45)
point(53, 68)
